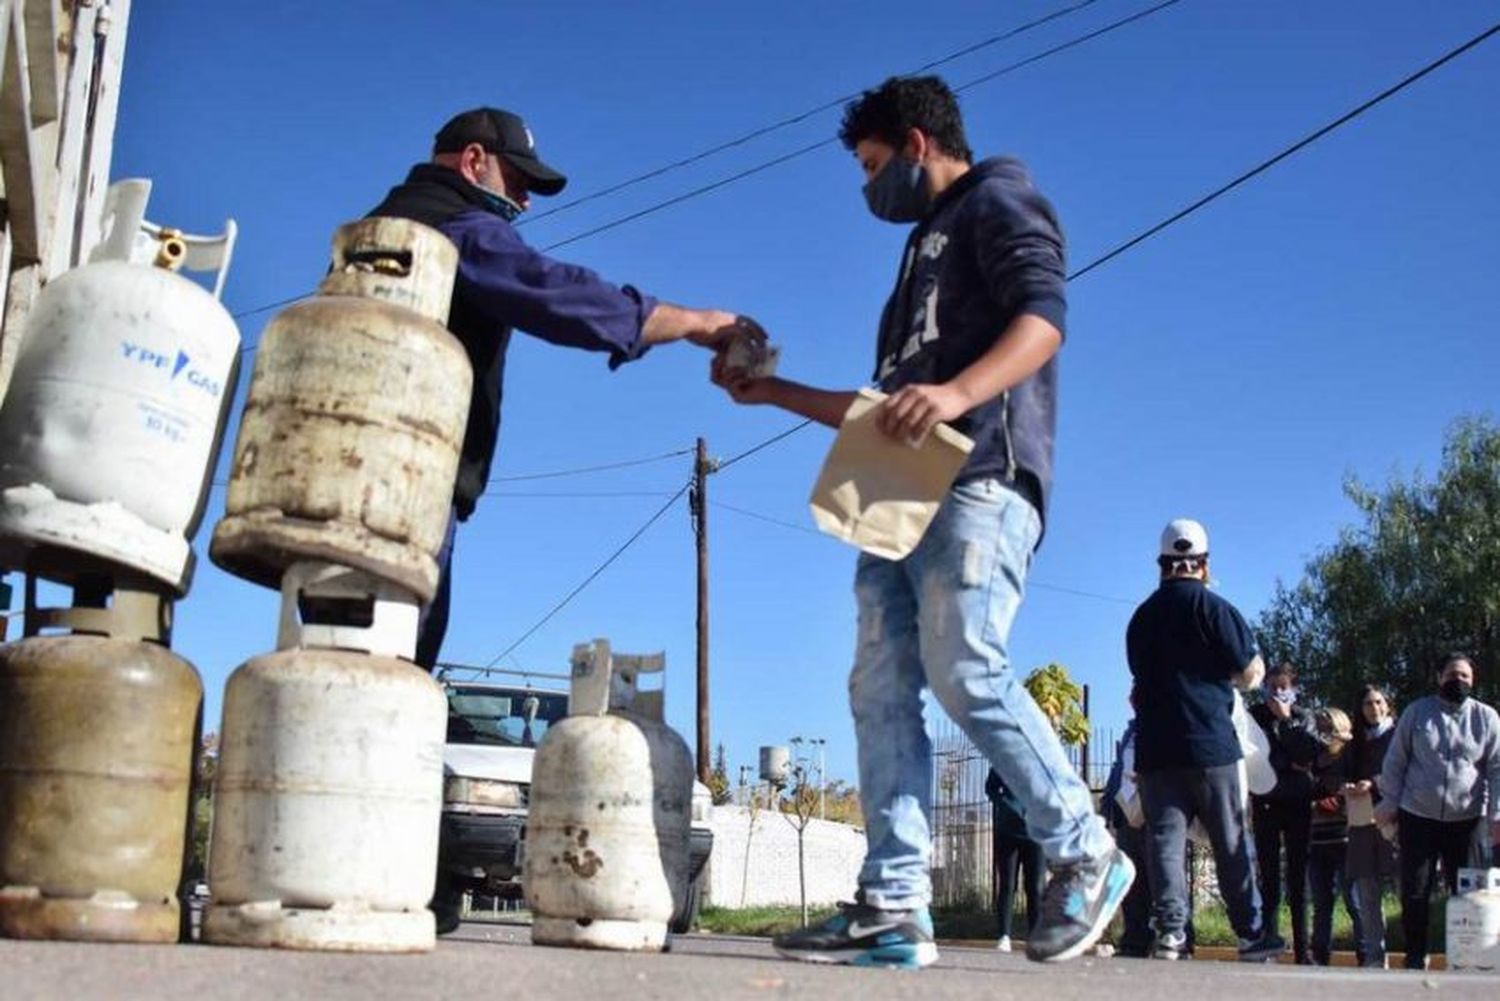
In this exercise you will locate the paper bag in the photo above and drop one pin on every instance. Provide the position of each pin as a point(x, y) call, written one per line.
point(878, 493)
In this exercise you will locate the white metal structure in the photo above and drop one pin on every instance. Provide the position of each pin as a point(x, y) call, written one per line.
point(393, 612)
point(113, 421)
point(60, 63)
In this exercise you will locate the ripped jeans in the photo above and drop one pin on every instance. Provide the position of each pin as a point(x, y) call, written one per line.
point(940, 619)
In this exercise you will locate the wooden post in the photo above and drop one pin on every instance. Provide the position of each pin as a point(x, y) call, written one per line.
point(701, 469)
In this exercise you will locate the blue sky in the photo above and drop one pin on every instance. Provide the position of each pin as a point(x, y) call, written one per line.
point(1330, 318)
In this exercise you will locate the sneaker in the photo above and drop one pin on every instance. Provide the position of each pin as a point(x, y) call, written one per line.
point(1169, 945)
point(1003, 945)
point(1261, 950)
point(1077, 906)
point(864, 936)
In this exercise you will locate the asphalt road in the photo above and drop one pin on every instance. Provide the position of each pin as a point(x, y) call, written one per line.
point(492, 961)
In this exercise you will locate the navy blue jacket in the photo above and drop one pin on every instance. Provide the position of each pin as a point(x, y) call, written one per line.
point(502, 284)
point(989, 250)
point(1185, 644)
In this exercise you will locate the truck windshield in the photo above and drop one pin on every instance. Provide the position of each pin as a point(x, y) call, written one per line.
point(513, 717)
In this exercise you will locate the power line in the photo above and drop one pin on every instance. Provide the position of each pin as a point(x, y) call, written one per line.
point(581, 470)
point(1301, 144)
point(591, 577)
point(1040, 585)
point(576, 493)
point(720, 467)
point(794, 154)
point(1223, 190)
point(784, 158)
point(1138, 15)
point(766, 518)
point(800, 117)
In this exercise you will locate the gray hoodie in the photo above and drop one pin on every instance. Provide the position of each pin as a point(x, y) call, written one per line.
point(1444, 760)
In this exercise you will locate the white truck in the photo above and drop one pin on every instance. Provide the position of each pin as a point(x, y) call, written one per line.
point(493, 730)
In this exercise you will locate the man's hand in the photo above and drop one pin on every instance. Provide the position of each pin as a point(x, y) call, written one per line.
point(707, 328)
point(716, 329)
point(913, 411)
point(1385, 813)
point(740, 388)
point(1279, 709)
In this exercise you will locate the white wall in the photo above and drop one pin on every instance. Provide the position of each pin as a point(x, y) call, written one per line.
point(834, 855)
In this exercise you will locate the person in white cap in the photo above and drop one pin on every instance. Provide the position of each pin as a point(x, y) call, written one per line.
point(1188, 650)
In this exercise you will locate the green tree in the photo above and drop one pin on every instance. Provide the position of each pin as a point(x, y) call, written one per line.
point(1061, 700)
point(1418, 577)
point(718, 779)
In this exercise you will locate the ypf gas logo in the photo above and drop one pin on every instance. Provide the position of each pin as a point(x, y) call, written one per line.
point(179, 365)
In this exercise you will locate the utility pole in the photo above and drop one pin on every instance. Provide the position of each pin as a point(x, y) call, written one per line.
point(698, 500)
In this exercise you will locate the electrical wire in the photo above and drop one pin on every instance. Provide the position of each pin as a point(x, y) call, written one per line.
point(592, 576)
point(1041, 585)
point(777, 161)
point(1296, 147)
point(581, 470)
point(803, 151)
point(799, 117)
point(1224, 189)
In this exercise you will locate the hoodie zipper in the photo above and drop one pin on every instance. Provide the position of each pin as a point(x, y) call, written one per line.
point(1010, 449)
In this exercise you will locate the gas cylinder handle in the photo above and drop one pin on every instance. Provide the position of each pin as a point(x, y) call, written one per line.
point(589, 693)
point(129, 236)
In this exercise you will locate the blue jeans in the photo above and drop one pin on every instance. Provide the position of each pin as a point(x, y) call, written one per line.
point(940, 619)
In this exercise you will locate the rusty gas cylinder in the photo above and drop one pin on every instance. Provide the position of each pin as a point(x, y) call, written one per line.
point(96, 760)
point(349, 442)
point(608, 827)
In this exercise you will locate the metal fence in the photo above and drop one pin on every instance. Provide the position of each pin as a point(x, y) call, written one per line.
point(962, 840)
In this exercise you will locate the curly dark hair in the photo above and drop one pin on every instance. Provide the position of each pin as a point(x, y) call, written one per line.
point(902, 103)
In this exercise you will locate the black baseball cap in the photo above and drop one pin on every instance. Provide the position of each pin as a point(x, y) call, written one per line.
point(503, 134)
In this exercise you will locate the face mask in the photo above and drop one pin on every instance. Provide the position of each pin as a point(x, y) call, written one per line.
point(899, 192)
point(1286, 696)
point(1455, 690)
point(498, 203)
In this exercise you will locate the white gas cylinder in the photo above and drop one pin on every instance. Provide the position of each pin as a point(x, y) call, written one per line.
point(328, 797)
point(1474, 921)
point(116, 408)
point(607, 829)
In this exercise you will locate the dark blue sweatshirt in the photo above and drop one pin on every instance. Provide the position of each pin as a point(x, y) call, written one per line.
point(502, 284)
point(989, 250)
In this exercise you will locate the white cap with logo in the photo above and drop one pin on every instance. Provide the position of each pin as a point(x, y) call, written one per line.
point(1184, 538)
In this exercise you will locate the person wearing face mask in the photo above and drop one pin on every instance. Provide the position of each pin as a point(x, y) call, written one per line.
point(1282, 818)
point(1328, 842)
point(1441, 785)
point(1371, 861)
point(483, 172)
point(968, 337)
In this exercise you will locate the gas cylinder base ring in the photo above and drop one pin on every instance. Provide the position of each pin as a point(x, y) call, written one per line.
point(600, 933)
point(260, 546)
point(59, 538)
point(105, 917)
point(268, 925)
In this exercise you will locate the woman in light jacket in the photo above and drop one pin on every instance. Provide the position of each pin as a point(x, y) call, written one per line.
point(1371, 859)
